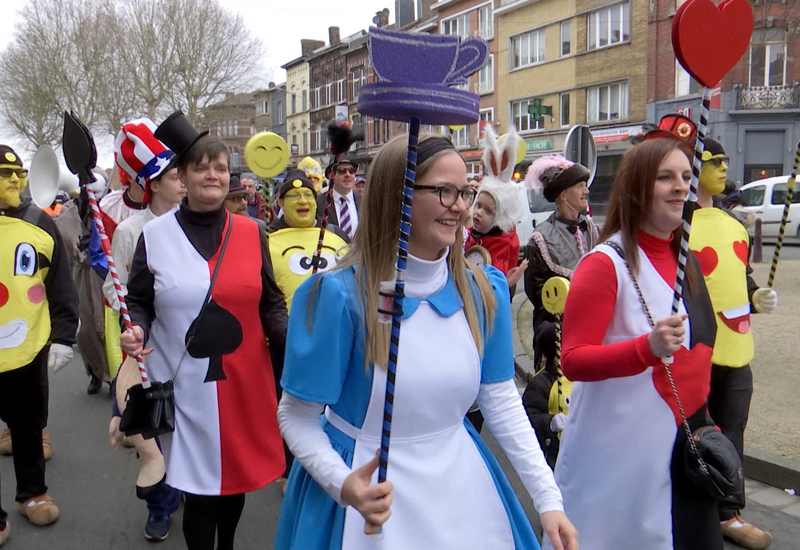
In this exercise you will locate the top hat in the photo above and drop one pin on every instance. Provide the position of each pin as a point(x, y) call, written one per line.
point(177, 133)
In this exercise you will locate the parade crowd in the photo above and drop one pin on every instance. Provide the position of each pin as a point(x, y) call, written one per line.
point(265, 318)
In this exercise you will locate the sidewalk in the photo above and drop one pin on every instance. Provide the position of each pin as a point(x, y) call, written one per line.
point(768, 505)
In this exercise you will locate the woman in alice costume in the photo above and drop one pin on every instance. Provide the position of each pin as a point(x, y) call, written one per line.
point(445, 488)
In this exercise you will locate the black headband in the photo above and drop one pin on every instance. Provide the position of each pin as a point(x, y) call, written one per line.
point(429, 147)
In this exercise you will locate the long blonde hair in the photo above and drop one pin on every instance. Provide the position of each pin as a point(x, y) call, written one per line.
point(374, 249)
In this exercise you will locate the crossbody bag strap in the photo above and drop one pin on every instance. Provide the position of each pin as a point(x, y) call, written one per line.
point(207, 299)
point(618, 249)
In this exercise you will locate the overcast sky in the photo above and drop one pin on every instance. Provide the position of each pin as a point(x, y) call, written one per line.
point(280, 24)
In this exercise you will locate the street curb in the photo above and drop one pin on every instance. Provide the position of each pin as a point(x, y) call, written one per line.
point(762, 466)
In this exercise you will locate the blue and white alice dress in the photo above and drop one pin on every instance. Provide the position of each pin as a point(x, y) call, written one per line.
point(449, 491)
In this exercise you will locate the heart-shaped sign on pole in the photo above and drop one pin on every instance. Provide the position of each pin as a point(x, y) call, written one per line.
point(710, 39)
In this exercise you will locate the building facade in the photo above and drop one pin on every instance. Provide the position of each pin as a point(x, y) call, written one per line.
point(233, 121)
point(298, 101)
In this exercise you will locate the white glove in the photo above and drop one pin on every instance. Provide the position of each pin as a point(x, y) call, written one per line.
point(558, 422)
point(765, 300)
point(59, 357)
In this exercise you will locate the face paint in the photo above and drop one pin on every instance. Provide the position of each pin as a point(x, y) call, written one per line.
point(714, 173)
point(299, 206)
point(11, 184)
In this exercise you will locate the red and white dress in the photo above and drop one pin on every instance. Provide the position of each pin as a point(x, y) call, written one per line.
point(620, 466)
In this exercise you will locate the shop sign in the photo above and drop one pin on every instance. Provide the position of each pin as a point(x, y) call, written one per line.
point(538, 145)
point(608, 135)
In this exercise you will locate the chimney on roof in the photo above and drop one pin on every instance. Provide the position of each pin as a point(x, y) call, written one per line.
point(308, 46)
point(333, 35)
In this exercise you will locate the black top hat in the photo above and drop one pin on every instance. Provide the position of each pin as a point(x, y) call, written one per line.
point(177, 133)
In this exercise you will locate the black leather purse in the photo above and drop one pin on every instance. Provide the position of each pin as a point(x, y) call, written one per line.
point(151, 411)
point(709, 457)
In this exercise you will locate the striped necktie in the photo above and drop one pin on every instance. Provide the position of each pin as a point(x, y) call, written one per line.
point(344, 217)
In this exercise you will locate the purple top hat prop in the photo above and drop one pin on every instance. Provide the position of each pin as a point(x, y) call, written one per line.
point(416, 72)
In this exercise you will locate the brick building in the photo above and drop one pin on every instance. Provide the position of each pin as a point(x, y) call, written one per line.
point(233, 121)
point(755, 110)
point(297, 99)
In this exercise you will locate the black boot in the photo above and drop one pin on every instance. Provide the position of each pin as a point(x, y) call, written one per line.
point(94, 385)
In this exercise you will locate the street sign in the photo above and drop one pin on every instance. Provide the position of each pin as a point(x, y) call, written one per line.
point(579, 147)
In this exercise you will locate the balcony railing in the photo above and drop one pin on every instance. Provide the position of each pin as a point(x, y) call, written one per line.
point(769, 97)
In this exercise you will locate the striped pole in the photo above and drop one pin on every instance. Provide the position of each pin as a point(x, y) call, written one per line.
point(123, 307)
point(691, 200)
point(559, 373)
point(399, 292)
point(324, 224)
point(785, 218)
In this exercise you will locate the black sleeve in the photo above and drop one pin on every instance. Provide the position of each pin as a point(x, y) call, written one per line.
point(272, 310)
point(536, 275)
point(62, 297)
point(141, 290)
point(535, 401)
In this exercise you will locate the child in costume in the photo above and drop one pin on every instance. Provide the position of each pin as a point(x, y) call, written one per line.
point(38, 321)
point(497, 208)
point(446, 490)
point(721, 243)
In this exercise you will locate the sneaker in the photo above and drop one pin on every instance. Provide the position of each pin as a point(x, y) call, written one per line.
point(157, 528)
point(745, 534)
point(5, 443)
point(5, 533)
point(40, 510)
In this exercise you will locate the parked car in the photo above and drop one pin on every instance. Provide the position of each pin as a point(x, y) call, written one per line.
point(764, 199)
point(535, 209)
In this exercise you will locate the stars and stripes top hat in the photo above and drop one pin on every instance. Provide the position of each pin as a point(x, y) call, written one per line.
point(140, 154)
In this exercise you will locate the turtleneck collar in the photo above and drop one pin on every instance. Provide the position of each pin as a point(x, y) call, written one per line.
point(655, 247)
point(425, 277)
point(203, 219)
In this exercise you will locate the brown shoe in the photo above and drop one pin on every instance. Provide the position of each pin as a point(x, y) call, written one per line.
point(40, 510)
point(47, 449)
point(745, 534)
point(5, 443)
point(5, 533)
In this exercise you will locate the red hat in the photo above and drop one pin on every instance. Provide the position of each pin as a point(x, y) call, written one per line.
point(673, 126)
point(140, 154)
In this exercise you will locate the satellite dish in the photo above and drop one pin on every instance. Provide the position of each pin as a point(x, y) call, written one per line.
point(579, 147)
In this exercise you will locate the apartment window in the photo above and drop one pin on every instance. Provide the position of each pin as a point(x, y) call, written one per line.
point(356, 82)
point(375, 133)
point(609, 102)
point(340, 95)
point(684, 83)
point(294, 103)
point(520, 117)
point(566, 38)
point(315, 97)
point(305, 100)
point(357, 124)
point(768, 58)
point(281, 113)
point(461, 137)
point(457, 26)
point(609, 26)
point(564, 109)
point(485, 22)
point(316, 139)
point(234, 156)
point(486, 77)
point(527, 49)
point(304, 150)
point(328, 93)
point(262, 108)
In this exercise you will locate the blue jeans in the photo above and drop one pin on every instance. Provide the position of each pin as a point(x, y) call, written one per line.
point(164, 501)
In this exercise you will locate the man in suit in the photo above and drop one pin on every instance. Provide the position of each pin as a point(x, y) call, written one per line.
point(344, 211)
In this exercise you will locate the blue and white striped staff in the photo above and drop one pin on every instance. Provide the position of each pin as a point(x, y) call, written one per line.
point(785, 219)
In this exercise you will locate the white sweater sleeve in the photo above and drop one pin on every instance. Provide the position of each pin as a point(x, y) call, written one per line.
point(505, 416)
point(300, 427)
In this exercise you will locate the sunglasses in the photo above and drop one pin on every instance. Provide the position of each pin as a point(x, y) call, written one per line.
point(448, 194)
point(718, 161)
point(346, 170)
point(7, 172)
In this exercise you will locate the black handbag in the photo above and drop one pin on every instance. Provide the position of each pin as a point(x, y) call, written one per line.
point(709, 457)
point(151, 411)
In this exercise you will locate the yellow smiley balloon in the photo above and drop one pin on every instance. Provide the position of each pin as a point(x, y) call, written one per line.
point(554, 294)
point(266, 154)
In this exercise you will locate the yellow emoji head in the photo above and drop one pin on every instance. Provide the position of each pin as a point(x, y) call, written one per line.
point(714, 173)
point(554, 294)
point(266, 154)
point(299, 206)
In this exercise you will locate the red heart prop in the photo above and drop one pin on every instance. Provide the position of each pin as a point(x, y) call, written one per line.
point(709, 40)
point(708, 260)
point(741, 249)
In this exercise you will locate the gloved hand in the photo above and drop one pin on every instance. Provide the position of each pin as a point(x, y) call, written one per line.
point(59, 357)
point(558, 422)
point(765, 300)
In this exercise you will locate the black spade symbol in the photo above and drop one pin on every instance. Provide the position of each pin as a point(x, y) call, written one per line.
point(216, 333)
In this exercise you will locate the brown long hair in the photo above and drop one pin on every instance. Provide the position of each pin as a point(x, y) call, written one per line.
point(374, 249)
point(632, 194)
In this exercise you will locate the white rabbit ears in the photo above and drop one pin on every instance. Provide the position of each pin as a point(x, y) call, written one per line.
point(500, 156)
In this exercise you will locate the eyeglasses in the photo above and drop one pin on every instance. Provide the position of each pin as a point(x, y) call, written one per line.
point(346, 170)
point(237, 198)
point(20, 172)
point(448, 194)
point(298, 196)
point(718, 161)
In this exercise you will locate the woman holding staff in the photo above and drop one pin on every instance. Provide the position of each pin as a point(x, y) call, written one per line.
point(446, 488)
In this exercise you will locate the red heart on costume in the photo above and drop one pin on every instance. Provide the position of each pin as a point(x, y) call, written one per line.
point(708, 260)
point(740, 247)
point(709, 40)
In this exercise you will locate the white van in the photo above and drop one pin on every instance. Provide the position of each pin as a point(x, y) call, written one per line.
point(535, 209)
point(764, 199)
